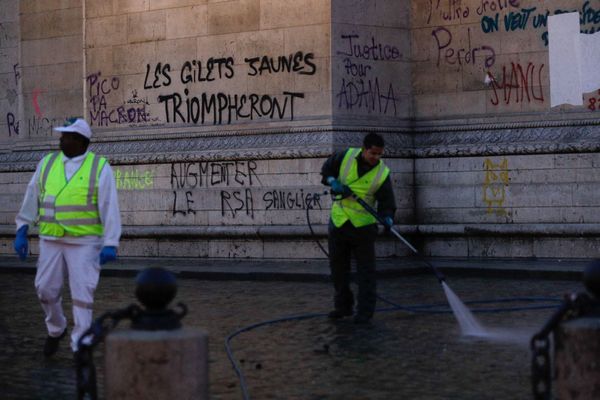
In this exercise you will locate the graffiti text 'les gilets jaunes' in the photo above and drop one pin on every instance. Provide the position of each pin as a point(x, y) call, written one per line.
point(198, 71)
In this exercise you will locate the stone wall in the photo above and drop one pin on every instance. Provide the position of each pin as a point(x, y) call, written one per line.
point(499, 173)
point(217, 116)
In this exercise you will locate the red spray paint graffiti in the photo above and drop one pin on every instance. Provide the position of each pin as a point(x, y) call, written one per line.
point(518, 84)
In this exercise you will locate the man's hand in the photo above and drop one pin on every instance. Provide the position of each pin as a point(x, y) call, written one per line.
point(21, 244)
point(338, 187)
point(108, 253)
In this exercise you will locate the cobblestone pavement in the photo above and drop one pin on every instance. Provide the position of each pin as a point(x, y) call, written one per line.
point(400, 356)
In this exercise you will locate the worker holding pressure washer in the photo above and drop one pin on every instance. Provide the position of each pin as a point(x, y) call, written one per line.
point(73, 196)
point(357, 173)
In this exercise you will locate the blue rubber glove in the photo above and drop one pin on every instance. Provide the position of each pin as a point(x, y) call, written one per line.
point(338, 187)
point(21, 244)
point(389, 223)
point(108, 253)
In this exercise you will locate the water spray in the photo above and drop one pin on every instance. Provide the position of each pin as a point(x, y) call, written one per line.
point(468, 324)
point(458, 308)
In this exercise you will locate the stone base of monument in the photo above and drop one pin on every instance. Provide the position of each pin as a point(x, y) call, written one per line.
point(577, 359)
point(164, 364)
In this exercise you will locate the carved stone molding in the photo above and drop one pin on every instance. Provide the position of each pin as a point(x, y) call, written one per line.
point(508, 140)
point(421, 141)
point(280, 144)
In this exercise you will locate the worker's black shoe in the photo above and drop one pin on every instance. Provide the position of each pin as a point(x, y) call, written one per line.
point(51, 345)
point(337, 314)
point(361, 319)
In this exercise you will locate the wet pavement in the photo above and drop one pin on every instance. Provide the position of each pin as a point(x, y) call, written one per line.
point(402, 355)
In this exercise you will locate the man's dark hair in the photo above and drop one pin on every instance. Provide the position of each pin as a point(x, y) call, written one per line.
point(373, 139)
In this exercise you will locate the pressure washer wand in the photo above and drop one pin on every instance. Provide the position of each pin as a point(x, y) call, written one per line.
point(438, 274)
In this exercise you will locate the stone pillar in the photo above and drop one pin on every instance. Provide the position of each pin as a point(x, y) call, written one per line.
point(157, 365)
point(577, 359)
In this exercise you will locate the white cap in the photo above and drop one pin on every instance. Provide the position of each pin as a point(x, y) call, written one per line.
point(79, 126)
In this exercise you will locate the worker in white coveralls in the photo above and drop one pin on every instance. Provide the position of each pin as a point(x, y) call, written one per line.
point(73, 197)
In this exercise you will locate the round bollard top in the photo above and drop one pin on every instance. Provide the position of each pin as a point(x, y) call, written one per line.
point(591, 278)
point(156, 287)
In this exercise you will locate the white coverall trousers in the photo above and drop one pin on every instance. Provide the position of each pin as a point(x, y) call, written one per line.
point(80, 262)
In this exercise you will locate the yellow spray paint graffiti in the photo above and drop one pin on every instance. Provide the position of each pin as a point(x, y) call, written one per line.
point(495, 185)
point(134, 179)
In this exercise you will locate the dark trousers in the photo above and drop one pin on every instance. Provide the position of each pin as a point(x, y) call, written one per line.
point(345, 242)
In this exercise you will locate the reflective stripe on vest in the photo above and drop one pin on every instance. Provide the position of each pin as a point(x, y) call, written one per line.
point(70, 207)
point(364, 187)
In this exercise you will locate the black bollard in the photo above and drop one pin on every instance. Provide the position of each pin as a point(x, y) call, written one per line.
point(155, 288)
point(157, 358)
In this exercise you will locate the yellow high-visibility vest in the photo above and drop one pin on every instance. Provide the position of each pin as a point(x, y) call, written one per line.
point(70, 207)
point(364, 187)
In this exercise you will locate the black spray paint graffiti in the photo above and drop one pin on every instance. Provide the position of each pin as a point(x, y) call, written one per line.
point(366, 94)
point(213, 174)
point(298, 62)
point(3, 35)
point(189, 203)
point(291, 200)
point(234, 202)
point(209, 174)
point(185, 177)
point(35, 126)
point(450, 10)
point(226, 108)
point(359, 89)
point(101, 114)
point(17, 73)
point(198, 71)
point(194, 71)
point(242, 201)
point(12, 123)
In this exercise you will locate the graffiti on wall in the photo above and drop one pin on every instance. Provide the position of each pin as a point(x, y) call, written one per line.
point(227, 108)
point(131, 112)
point(521, 19)
point(518, 84)
point(37, 125)
point(133, 179)
point(593, 102)
point(200, 107)
point(494, 185)
point(361, 88)
point(453, 10)
point(240, 191)
point(459, 54)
